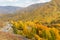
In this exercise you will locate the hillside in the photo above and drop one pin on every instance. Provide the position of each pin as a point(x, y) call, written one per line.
point(39, 21)
point(44, 12)
point(49, 10)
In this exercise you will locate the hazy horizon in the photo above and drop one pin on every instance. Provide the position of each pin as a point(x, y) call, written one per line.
point(21, 3)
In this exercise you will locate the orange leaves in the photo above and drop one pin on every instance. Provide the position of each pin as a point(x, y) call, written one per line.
point(35, 31)
point(56, 31)
point(42, 27)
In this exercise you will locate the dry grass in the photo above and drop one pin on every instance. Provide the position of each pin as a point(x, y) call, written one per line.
point(8, 36)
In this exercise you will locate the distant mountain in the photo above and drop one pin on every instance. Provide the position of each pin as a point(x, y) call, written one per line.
point(8, 9)
point(44, 12)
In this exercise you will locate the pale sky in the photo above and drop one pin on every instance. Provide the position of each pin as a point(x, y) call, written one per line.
point(20, 3)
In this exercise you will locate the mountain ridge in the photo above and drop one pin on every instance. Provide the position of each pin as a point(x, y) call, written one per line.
point(49, 10)
point(8, 9)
